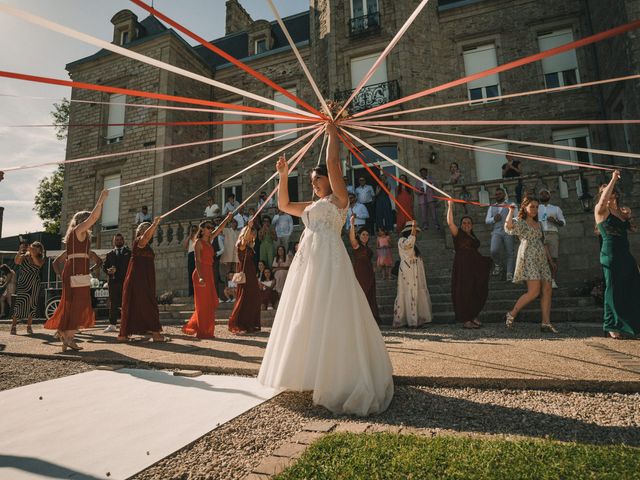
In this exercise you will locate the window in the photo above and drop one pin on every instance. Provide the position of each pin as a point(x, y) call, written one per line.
point(124, 37)
point(479, 59)
point(278, 127)
point(562, 69)
point(231, 130)
point(578, 137)
point(489, 165)
point(361, 65)
point(115, 129)
point(261, 46)
point(111, 207)
point(235, 187)
point(361, 8)
point(370, 157)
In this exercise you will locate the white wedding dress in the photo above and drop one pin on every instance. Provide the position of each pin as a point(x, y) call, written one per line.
point(324, 337)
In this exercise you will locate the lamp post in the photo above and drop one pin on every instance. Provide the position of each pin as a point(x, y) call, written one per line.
point(434, 156)
point(586, 199)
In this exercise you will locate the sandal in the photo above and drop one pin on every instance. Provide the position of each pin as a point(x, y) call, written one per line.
point(615, 335)
point(509, 320)
point(548, 328)
point(161, 339)
point(13, 331)
point(470, 325)
point(29, 330)
point(477, 322)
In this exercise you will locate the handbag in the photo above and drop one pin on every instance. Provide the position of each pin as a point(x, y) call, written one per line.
point(240, 277)
point(80, 280)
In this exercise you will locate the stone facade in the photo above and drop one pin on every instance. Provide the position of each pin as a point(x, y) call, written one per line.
point(430, 53)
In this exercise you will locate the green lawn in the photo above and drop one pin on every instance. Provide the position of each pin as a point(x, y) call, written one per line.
point(389, 456)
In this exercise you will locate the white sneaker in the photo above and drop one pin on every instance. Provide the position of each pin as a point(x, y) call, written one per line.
point(554, 284)
point(496, 270)
point(509, 277)
point(110, 328)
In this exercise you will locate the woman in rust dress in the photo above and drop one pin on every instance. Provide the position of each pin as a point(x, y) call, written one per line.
point(470, 274)
point(205, 297)
point(75, 311)
point(245, 317)
point(404, 197)
point(139, 305)
point(362, 256)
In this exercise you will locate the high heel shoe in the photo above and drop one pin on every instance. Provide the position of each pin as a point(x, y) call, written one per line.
point(74, 346)
point(509, 319)
point(548, 328)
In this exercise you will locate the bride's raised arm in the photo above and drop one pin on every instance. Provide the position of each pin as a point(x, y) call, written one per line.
point(284, 204)
point(334, 168)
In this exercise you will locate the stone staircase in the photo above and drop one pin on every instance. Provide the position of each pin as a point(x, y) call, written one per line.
point(566, 305)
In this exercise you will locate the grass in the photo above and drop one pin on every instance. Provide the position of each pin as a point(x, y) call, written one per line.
point(390, 456)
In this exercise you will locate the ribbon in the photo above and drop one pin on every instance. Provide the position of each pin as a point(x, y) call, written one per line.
point(140, 93)
point(263, 159)
point(166, 124)
point(508, 66)
point(153, 149)
point(210, 46)
point(383, 55)
point(83, 37)
point(493, 122)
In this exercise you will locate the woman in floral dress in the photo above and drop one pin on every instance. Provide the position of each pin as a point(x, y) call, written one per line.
point(533, 264)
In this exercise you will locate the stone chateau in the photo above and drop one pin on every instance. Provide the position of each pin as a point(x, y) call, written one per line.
point(339, 40)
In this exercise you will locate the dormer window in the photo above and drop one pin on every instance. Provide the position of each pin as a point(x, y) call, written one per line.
point(124, 38)
point(261, 46)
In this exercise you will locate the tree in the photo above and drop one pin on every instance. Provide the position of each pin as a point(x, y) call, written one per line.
point(60, 114)
point(48, 201)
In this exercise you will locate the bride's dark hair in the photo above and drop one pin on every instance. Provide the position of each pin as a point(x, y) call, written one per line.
point(320, 170)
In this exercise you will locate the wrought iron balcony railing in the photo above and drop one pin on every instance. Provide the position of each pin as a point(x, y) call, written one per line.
point(371, 95)
point(366, 24)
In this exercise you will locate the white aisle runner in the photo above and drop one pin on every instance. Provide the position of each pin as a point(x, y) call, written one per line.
point(113, 424)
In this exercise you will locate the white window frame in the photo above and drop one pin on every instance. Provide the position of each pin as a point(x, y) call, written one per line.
point(232, 184)
point(501, 156)
point(255, 45)
point(365, 8)
point(231, 131)
point(484, 83)
point(568, 137)
point(111, 208)
point(279, 127)
point(124, 37)
point(116, 114)
point(553, 65)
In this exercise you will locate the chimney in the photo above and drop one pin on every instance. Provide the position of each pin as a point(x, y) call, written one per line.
point(237, 20)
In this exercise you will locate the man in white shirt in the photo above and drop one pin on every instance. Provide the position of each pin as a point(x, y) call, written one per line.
point(143, 215)
point(366, 195)
point(212, 210)
point(496, 215)
point(347, 182)
point(283, 223)
point(263, 198)
point(241, 219)
point(551, 218)
point(231, 204)
point(357, 209)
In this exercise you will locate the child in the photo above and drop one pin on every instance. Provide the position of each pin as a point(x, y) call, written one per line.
point(231, 290)
point(385, 260)
point(268, 295)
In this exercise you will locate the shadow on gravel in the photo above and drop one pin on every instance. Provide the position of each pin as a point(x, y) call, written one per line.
point(413, 407)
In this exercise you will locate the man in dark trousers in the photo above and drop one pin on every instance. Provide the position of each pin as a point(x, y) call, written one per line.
point(115, 265)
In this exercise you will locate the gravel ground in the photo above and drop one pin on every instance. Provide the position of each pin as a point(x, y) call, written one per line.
point(232, 450)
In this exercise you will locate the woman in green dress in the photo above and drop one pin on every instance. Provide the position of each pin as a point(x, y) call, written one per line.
point(267, 236)
point(621, 275)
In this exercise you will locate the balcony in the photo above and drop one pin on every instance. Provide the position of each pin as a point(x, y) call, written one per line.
point(365, 25)
point(371, 96)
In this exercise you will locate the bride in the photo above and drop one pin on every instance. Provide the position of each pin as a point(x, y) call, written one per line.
point(324, 337)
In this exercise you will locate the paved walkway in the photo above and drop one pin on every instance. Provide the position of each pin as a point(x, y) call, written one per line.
point(580, 357)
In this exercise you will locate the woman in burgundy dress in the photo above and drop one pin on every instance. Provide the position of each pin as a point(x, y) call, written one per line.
point(362, 256)
point(75, 311)
point(470, 274)
point(205, 297)
point(245, 317)
point(139, 305)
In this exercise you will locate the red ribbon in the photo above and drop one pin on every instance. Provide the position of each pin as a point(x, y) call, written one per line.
point(188, 124)
point(508, 66)
point(140, 93)
point(228, 57)
point(352, 148)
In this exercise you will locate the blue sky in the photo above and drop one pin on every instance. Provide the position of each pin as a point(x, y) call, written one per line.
point(33, 50)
